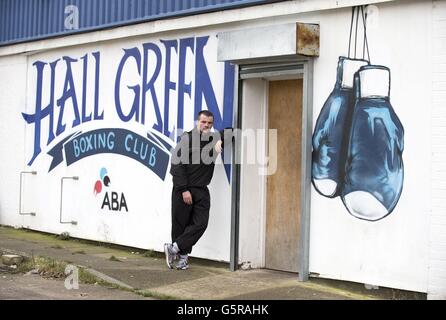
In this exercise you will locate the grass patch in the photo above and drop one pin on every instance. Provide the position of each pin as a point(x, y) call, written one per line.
point(26, 266)
point(63, 236)
point(87, 277)
point(155, 295)
point(46, 267)
point(113, 258)
point(150, 254)
point(50, 268)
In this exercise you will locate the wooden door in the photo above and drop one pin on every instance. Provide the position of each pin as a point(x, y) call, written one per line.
point(283, 187)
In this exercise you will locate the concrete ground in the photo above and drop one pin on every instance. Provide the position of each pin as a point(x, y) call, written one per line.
point(35, 287)
point(144, 274)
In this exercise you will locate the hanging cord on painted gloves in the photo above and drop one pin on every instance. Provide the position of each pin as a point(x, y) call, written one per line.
point(365, 42)
point(351, 28)
point(355, 11)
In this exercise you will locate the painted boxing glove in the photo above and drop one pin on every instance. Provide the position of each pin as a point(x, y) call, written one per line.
point(330, 136)
point(374, 169)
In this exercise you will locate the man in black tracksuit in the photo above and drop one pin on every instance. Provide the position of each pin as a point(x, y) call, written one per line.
point(192, 168)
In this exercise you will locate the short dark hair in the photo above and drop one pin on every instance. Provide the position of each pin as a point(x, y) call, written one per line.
point(205, 113)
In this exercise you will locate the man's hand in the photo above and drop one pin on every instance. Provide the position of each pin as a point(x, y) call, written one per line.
point(218, 147)
point(187, 197)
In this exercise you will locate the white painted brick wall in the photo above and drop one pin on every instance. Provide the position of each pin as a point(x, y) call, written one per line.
point(437, 252)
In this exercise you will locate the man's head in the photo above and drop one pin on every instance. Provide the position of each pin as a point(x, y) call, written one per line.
point(205, 121)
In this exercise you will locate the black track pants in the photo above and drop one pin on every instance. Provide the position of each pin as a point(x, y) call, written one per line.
point(189, 221)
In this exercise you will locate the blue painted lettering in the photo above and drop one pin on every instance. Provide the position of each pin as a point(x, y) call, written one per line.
point(77, 151)
point(168, 84)
point(69, 92)
point(97, 116)
point(152, 159)
point(85, 118)
point(183, 87)
point(40, 113)
point(126, 143)
point(93, 143)
point(111, 140)
point(68, 95)
point(150, 86)
point(134, 111)
point(204, 89)
point(144, 64)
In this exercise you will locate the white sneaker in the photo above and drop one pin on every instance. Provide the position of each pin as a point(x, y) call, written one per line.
point(183, 263)
point(170, 255)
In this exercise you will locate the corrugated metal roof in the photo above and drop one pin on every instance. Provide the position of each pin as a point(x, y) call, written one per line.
point(26, 20)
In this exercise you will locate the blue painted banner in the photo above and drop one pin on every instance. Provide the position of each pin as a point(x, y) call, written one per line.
point(112, 140)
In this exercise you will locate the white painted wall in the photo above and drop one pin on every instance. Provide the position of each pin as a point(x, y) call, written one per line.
point(392, 252)
point(12, 135)
point(437, 240)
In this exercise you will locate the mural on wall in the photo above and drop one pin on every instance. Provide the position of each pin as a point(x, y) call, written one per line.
point(358, 138)
point(150, 85)
point(109, 113)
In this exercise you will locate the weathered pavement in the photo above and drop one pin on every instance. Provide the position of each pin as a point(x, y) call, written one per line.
point(148, 275)
point(34, 287)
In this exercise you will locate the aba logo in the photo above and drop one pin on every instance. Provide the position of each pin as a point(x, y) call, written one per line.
point(112, 200)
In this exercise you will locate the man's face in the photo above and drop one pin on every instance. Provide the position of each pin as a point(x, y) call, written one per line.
point(205, 123)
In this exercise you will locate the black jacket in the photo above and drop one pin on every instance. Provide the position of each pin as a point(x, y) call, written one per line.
point(193, 159)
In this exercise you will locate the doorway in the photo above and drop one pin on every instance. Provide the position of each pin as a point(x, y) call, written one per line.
point(271, 214)
point(283, 191)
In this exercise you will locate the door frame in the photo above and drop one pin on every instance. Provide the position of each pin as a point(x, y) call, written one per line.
point(265, 69)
